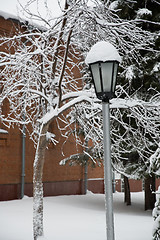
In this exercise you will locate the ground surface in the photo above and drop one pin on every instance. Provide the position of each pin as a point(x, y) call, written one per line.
point(76, 217)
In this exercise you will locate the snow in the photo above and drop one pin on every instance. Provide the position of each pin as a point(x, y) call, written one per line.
point(130, 73)
point(7, 15)
point(143, 11)
point(12, 9)
point(156, 67)
point(55, 112)
point(113, 5)
point(102, 51)
point(77, 217)
point(3, 131)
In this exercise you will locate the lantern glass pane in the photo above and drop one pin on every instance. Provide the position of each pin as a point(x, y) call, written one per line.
point(96, 76)
point(107, 69)
point(114, 76)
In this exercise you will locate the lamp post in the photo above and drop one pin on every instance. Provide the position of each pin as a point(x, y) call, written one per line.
point(103, 60)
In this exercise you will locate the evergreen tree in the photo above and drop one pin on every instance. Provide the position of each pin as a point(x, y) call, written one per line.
point(141, 79)
point(143, 76)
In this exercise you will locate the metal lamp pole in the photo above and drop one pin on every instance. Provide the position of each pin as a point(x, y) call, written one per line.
point(108, 172)
point(103, 60)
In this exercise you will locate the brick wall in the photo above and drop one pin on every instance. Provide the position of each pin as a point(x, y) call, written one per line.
point(60, 179)
point(135, 185)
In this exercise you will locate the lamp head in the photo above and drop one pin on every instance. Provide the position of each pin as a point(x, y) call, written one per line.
point(104, 76)
point(103, 60)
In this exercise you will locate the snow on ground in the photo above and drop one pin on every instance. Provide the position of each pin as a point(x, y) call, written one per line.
point(76, 217)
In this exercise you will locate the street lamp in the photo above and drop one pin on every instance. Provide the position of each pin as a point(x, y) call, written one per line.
point(103, 60)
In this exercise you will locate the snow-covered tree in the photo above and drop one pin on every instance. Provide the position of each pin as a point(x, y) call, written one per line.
point(142, 82)
point(42, 74)
point(156, 217)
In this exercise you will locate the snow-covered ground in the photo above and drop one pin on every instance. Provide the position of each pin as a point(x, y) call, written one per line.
point(76, 217)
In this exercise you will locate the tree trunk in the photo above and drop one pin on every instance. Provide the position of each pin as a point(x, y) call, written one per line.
point(127, 193)
point(37, 183)
point(150, 196)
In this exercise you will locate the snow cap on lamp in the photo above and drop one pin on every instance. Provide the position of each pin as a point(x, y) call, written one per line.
point(102, 51)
